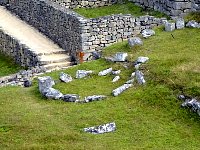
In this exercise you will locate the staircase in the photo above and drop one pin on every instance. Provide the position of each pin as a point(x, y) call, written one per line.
point(49, 54)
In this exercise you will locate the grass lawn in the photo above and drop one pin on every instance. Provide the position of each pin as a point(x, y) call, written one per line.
point(126, 8)
point(7, 66)
point(147, 117)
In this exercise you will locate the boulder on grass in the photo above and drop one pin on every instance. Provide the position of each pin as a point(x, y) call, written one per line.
point(134, 41)
point(180, 23)
point(52, 93)
point(65, 77)
point(147, 33)
point(109, 127)
point(83, 73)
point(70, 97)
point(105, 72)
point(45, 83)
point(193, 24)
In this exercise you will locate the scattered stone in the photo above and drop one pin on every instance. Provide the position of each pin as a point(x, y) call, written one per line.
point(105, 72)
point(134, 41)
point(140, 77)
point(180, 23)
point(191, 103)
point(115, 79)
point(130, 81)
point(45, 83)
point(82, 73)
point(65, 77)
point(142, 59)
point(116, 72)
point(52, 93)
point(133, 75)
point(27, 83)
point(70, 97)
point(94, 98)
point(110, 59)
point(193, 24)
point(96, 55)
point(120, 89)
point(120, 57)
point(109, 127)
point(147, 33)
point(169, 26)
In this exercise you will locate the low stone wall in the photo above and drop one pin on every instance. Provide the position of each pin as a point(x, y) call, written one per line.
point(58, 23)
point(21, 54)
point(170, 7)
point(101, 32)
point(71, 4)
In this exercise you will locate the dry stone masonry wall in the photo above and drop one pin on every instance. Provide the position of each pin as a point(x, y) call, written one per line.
point(84, 3)
point(73, 32)
point(21, 54)
point(59, 24)
point(170, 7)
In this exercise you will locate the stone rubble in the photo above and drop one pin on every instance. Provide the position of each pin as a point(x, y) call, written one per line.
point(70, 97)
point(116, 72)
point(130, 81)
point(22, 77)
point(147, 33)
point(142, 59)
point(105, 72)
point(82, 73)
point(169, 26)
point(120, 57)
point(134, 41)
point(193, 24)
point(51, 93)
point(109, 127)
point(65, 77)
point(180, 23)
point(120, 89)
point(191, 103)
point(94, 98)
point(140, 77)
point(115, 79)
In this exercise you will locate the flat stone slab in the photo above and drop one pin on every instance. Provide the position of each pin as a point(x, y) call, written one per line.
point(105, 128)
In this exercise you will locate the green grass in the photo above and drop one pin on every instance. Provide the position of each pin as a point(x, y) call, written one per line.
point(147, 117)
point(193, 16)
point(126, 8)
point(7, 66)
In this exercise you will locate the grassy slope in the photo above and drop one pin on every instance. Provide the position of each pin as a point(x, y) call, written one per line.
point(7, 66)
point(126, 8)
point(147, 117)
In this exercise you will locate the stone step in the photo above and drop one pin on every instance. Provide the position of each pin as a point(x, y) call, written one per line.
point(55, 66)
point(49, 53)
point(54, 58)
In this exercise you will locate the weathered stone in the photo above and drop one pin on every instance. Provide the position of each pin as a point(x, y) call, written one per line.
point(96, 55)
point(45, 83)
point(120, 89)
point(94, 98)
point(27, 83)
point(70, 97)
point(191, 103)
point(116, 72)
point(105, 72)
point(120, 57)
point(83, 73)
point(134, 41)
point(140, 77)
point(180, 23)
point(130, 81)
point(109, 127)
point(52, 93)
point(147, 33)
point(169, 26)
point(116, 78)
point(193, 24)
point(65, 77)
point(142, 59)
point(133, 75)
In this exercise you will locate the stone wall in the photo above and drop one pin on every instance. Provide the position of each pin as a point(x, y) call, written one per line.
point(71, 4)
point(170, 7)
point(75, 33)
point(21, 54)
point(59, 24)
point(101, 32)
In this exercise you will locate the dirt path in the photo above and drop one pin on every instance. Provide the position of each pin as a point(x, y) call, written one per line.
point(26, 34)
